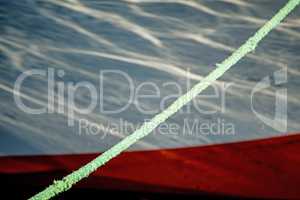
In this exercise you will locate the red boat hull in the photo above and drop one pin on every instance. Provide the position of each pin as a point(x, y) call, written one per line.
point(266, 168)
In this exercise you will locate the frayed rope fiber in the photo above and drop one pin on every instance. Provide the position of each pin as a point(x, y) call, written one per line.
point(83, 172)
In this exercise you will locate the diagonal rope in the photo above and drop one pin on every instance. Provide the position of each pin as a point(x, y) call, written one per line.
point(83, 172)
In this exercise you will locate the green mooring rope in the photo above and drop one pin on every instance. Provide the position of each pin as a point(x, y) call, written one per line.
point(250, 45)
